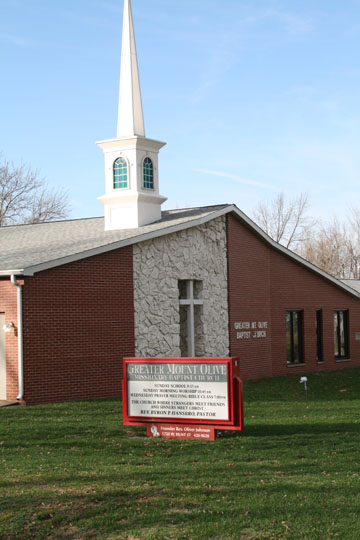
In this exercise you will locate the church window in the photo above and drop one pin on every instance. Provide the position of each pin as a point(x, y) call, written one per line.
point(148, 173)
point(192, 339)
point(120, 174)
point(294, 337)
point(319, 335)
point(341, 334)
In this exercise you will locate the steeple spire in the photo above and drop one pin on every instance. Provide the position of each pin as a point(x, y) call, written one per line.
point(132, 198)
point(131, 119)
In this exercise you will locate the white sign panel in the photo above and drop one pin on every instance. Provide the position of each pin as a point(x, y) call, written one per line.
point(196, 391)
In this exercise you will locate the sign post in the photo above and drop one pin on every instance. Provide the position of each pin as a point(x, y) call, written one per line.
point(188, 398)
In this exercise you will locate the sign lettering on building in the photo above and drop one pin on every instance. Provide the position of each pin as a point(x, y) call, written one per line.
point(251, 330)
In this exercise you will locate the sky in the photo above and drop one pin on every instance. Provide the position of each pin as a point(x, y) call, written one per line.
point(253, 98)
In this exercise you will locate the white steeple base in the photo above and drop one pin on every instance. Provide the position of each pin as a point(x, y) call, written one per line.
point(131, 211)
point(135, 205)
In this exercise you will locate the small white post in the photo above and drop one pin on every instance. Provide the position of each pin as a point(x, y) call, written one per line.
point(304, 380)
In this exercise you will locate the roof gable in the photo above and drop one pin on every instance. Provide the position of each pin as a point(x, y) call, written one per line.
point(28, 249)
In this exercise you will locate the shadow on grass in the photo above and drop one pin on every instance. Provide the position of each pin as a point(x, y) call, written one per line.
point(235, 507)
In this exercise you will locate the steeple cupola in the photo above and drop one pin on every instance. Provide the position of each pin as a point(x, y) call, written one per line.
point(132, 196)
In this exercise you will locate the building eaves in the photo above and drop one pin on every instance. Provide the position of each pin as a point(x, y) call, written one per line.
point(353, 283)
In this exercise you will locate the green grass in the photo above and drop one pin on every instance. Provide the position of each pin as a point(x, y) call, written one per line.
point(72, 471)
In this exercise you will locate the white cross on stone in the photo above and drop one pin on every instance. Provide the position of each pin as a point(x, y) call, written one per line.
point(190, 302)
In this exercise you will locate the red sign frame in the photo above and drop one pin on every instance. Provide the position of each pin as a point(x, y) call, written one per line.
point(234, 419)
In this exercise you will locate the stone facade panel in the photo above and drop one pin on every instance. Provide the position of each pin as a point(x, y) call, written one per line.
point(198, 253)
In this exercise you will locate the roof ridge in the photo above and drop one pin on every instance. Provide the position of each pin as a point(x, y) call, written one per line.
point(49, 222)
point(102, 217)
point(198, 207)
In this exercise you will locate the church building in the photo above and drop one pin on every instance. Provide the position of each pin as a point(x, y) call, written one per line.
point(77, 296)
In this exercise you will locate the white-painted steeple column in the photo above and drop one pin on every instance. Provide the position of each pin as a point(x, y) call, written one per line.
point(132, 197)
point(131, 119)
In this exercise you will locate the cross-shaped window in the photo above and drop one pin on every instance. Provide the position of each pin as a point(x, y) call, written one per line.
point(191, 334)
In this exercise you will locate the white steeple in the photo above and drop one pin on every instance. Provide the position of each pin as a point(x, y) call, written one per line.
point(131, 119)
point(132, 197)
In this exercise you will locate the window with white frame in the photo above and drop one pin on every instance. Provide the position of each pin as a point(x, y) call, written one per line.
point(148, 173)
point(121, 174)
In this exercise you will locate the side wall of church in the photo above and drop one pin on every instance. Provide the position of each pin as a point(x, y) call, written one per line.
point(78, 326)
point(263, 285)
point(198, 253)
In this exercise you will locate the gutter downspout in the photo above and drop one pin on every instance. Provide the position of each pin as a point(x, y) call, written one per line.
point(20, 337)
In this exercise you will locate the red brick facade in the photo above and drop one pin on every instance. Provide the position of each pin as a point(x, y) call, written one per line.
point(78, 322)
point(263, 284)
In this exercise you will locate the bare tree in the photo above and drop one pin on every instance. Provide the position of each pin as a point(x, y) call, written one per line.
point(25, 198)
point(335, 247)
point(354, 244)
point(286, 222)
point(328, 249)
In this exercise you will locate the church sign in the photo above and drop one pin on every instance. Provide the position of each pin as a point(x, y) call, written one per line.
point(165, 394)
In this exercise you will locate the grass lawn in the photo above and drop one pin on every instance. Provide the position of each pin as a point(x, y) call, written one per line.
point(72, 470)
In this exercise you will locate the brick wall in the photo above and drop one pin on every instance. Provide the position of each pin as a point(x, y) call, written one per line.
point(263, 284)
point(8, 305)
point(78, 326)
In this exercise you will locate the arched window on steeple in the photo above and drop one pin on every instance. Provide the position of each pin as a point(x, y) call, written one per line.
point(120, 174)
point(148, 173)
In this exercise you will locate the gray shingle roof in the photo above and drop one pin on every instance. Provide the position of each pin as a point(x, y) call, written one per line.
point(29, 248)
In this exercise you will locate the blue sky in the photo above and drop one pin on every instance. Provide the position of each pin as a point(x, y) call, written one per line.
point(252, 97)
